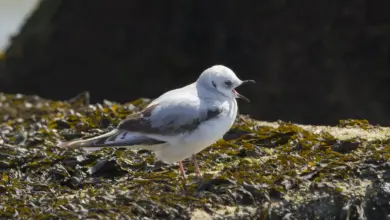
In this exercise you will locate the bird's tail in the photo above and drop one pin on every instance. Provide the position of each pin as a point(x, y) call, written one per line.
point(114, 138)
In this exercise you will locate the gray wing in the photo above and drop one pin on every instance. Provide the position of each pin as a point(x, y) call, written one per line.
point(114, 138)
point(170, 118)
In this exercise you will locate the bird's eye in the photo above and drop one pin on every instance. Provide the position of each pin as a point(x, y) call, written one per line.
point(228, 83)
point(213, 83)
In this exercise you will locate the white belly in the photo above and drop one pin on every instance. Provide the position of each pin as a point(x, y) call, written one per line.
point(205, 135)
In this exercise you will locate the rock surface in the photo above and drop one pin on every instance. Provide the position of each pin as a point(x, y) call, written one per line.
point(261, 170)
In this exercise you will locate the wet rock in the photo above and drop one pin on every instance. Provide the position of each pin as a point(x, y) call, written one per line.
point(345, 146)
point(377, 200)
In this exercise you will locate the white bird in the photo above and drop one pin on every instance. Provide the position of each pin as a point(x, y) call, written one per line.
point(179, 123)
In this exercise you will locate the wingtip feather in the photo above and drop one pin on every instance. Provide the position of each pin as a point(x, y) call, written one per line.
point(76, 144)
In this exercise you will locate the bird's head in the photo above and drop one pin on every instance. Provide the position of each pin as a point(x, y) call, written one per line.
point(223, 80)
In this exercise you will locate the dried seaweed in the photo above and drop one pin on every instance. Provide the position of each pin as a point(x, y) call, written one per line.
point(278, 171)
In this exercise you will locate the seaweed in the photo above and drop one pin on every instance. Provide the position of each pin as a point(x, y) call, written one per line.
point(272, 172)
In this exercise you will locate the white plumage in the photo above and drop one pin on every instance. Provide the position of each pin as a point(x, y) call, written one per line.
point(179, 123)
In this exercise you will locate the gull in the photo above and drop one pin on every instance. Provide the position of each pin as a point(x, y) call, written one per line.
point(181, 122)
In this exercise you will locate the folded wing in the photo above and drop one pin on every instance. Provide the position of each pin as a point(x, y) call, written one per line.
point(154, 125)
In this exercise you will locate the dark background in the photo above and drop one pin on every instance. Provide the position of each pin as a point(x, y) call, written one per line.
point(315, 61)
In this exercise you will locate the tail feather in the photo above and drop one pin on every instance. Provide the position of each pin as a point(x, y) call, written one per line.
point(114, 138)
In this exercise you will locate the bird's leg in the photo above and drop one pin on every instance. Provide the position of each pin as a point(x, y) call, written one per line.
point(197, 170)
point(182, 173)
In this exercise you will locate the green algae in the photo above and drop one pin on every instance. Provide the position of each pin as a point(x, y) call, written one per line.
point(253, 166)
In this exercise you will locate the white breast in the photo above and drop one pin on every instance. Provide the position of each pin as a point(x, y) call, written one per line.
point(205, 135)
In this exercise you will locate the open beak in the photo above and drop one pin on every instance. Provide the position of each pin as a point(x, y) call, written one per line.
point(238, 95)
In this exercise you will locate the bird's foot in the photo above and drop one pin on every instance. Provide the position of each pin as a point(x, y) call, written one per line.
point(197, 170)
point(182, 172)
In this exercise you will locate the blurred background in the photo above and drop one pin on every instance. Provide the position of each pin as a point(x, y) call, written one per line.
point(315, 62)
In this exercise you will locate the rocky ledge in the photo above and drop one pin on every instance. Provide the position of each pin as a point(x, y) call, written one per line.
point(261, 170)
